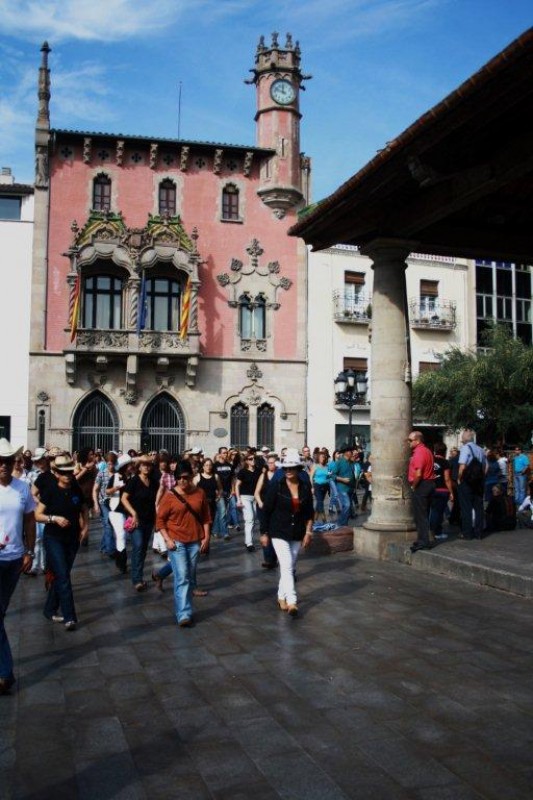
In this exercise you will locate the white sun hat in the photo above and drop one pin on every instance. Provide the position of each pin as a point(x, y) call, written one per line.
point(7, 450)
point(291, 459)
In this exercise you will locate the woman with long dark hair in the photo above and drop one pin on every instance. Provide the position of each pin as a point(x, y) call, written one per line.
point(139, 501)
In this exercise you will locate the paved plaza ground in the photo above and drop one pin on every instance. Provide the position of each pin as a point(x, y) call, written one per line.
point(392, 684)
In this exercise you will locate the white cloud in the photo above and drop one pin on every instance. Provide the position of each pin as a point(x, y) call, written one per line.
point(99, 20)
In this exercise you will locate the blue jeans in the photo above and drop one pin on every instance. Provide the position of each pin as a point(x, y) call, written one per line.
point(334, 501)
point(439, 501)
point(233, 511)
point(184, 560)
point(139, 545)
point(220, 523)
point(346, 507)
point(520, 489)
point(60, 557)
point(321, 490)
point(107, 544)
point(9, 575)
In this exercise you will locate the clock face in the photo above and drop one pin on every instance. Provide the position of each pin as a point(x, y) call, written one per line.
point(282, 92)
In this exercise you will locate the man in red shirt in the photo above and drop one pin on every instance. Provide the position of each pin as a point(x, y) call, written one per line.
point(421, 477)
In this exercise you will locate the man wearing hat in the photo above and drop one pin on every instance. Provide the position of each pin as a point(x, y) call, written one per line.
point(17, 540)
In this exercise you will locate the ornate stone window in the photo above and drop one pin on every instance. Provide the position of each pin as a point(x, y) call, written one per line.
point(239, 425)
point(95, 424)
point(265, 426)
point(102, 302)
point(102, 193)
point(167, 198)
point(252, 316)
point(230, 202)
point(163, 304)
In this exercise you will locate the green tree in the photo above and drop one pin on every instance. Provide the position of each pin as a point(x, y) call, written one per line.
point(490, 392)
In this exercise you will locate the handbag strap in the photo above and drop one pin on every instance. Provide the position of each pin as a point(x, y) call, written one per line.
point(189, 507)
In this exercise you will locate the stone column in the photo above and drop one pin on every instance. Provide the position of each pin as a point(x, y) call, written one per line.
point(132, 304)
point(390, 415)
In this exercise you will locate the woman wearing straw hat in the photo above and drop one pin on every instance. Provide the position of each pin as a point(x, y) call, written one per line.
point(17, 539)
point(63, 509)
point(288, 511)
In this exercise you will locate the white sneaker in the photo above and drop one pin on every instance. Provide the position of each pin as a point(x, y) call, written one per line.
point(57, 618)
point(70, 625)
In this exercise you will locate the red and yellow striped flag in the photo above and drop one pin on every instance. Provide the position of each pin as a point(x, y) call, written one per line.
point(75, 313)
point(185, 310)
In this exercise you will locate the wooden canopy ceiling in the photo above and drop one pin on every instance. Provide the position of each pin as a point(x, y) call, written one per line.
point(458, 182)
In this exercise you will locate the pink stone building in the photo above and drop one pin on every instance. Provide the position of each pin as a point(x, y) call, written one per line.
point(131, 231)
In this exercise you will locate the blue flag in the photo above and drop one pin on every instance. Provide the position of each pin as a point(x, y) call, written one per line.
point(143, 310)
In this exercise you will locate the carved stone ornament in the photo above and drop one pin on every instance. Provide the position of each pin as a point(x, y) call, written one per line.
point(248, 158)
point(184, 157)
point(254, 373)
point(153, 155)
point(113, 339)
point(43, 397)
point(238, 270)
point(87, 147)
point(41, 168)
point(217, 161)
point(130, 396)
point(254, 398)
point(223, 279)
point(119, 155)
point(253, 345)
point(155, 340)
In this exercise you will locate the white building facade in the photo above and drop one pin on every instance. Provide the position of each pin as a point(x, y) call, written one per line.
point(440, 296)
point(16, 235)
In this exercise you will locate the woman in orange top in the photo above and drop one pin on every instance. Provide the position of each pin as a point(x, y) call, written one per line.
point(183, 519)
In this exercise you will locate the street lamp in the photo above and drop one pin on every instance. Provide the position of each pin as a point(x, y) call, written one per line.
point(350, 388)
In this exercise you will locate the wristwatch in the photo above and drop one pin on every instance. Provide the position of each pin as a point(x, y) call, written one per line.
point(30, 553)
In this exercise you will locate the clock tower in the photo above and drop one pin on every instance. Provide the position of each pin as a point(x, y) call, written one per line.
point(278, 82)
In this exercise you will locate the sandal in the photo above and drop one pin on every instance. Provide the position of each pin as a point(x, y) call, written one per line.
point(141, 587)
point(199, 593)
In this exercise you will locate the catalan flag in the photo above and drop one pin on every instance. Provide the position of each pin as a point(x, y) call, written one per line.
point(185, 310)
point(75, 313)
point(143, 306)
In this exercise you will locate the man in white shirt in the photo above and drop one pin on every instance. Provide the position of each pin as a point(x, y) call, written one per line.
point(17, 540)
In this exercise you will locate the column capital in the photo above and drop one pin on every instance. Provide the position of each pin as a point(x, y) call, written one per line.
point(388, 249)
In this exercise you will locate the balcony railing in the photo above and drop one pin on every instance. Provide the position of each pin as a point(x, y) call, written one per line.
point(128, 341)
point(354, 309)
point(437, 315)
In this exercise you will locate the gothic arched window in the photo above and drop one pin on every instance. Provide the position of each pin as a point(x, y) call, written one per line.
point(163, 426)
point(95, 424)
point(239, 426)
point(167, 198)
point(230, 202)
point(252, 316)
point(102, 193)
point(265, 426)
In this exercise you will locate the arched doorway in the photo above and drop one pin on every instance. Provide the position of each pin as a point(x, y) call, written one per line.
point(95, 424)
point(163, 426)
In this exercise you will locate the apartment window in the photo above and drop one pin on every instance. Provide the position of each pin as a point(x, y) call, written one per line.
point(252, 316)
point(239, 425)
point(359, 366)
point(102, 193)
point(167, 198)
point(10, 207)
point(429, 296)
point(102, 302)
point(354, 286)
point(503, 296)
point(230, 202)
point(428, 366)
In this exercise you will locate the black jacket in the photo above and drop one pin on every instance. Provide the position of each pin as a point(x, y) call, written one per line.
point(280, 520)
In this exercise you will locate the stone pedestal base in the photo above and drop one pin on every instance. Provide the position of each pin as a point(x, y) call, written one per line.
point(371, 542)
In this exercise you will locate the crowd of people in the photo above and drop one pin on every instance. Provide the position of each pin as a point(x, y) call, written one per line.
point(179, 504)
point(471, 487)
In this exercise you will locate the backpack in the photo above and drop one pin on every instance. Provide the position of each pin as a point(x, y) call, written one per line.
point(473, 473)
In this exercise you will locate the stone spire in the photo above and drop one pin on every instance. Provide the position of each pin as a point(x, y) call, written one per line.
point(43, 116)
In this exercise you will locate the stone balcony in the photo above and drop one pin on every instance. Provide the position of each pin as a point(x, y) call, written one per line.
point(160, 347)
point(434, 316)
point(350, 309)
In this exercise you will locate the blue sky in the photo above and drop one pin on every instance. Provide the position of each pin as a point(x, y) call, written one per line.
point(117, 64)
